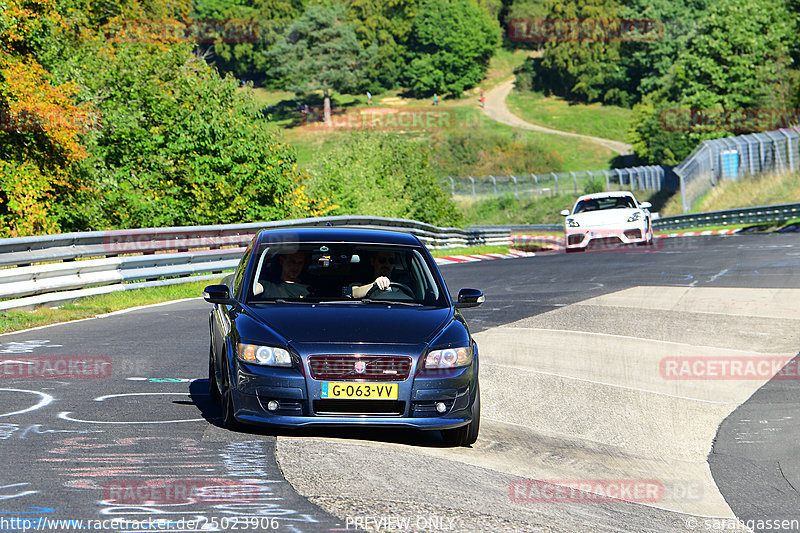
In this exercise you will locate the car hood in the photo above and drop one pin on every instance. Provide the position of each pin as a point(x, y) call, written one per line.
point(357, 323)
point(606, 217)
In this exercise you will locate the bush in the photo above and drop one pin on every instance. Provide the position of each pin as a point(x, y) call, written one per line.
point(385, 175)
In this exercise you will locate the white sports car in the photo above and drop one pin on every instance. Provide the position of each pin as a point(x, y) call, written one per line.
point(607, 218)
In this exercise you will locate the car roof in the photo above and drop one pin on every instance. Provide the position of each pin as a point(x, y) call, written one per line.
point(608, 194)
point(337, 235)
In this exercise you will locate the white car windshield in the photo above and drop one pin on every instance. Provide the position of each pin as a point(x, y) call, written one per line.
point(609, 202)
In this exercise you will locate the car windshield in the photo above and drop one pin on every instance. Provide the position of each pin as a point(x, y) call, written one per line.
point(601, 204)
point(336, 272)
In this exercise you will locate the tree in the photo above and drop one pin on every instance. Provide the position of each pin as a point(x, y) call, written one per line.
point(383, 174)
point(322, 52)
point(450, 46)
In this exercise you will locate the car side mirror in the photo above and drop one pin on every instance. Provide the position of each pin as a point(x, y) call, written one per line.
point(218, 294)
point(469, 298)
point(645, 205)
point(565, 213)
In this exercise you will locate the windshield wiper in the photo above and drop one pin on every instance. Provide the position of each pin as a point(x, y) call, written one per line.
point(390, 302)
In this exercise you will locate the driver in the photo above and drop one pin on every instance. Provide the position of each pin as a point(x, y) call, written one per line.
point(382, 266)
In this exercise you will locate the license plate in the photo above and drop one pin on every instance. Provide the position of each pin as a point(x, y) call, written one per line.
point(359, 391)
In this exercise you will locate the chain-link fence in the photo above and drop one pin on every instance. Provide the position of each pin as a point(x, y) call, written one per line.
point(737, 157)
point(654, 178)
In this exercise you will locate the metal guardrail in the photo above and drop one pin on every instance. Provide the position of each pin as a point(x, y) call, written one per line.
point(766, 214)
point(748, 215)
point(52, 269)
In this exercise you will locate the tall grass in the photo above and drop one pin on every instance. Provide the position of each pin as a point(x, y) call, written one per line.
point(745, 192)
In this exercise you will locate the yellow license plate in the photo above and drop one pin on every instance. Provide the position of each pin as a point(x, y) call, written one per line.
point(359, 391)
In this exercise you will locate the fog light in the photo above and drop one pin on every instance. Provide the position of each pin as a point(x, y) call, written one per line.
point(272, 405)
point(440, 407)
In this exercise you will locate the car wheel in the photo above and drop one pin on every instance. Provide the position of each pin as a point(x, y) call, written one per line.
point(213, 384)
point(466, 435)
point(228, 419)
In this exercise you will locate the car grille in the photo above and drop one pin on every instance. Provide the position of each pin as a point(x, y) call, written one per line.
point(633, 233)
point(575, 238)
point(359, 407)
point(376, 367)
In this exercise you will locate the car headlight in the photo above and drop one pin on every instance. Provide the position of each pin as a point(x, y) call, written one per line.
point(572, 223)
point(263, 355)
point(634, 217)
point(449, 358)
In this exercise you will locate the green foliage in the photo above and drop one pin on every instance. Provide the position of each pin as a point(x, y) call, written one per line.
point(178, 146)
point(450, 46)
point(245, 58)
point(321, 52)
point(382, 174)
point(473, 151)
point(387, 24)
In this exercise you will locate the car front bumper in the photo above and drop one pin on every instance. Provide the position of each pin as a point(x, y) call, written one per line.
point(300, 404)
point(581, 237)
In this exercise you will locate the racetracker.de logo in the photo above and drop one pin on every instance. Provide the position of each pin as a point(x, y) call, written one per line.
point(50, 118)
point(585, 490)
point(380, 119)
point(55, 367)
point(734, 367)
point(599, 30)
point(730, 120)
point(199, 31)
point(180, 491)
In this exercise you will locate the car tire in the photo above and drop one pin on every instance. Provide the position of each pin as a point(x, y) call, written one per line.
point(228, 419)
point(213, 384)
point(466, 435)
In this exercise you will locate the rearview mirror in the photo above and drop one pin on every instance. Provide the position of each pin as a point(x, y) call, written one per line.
point(218, 294)
point(565, 213)
point(469, 298)
point(645, 205)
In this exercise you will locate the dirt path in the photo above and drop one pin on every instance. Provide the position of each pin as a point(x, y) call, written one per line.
point(496, 109)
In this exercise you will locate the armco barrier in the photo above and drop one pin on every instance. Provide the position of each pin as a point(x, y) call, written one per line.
point(52, 269)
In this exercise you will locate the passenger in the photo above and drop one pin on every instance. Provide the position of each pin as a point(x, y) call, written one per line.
point(289, 286)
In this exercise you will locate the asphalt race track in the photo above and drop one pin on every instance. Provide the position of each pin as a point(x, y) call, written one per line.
point(609, 403)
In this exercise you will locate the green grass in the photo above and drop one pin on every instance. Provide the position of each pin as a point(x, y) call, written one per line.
point(508, 210)
point(472, 250)
point(744, 192)
point(608, 122)
point(15, 320)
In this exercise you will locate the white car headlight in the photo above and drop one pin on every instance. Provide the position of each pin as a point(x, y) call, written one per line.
point(263, 355)
point(572, 223)
point(634, 217)
point(449, 358)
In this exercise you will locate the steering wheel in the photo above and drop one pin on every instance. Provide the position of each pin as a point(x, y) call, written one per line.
point(404, 288)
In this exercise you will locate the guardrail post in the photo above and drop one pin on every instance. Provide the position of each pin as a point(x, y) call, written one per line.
point(516, 189)
point(608, 180)
point(618, 172)
point(556, 178)
point(494, 181)
point(474, 195)
point(452, 186)
point(536, 181)
point(575, 182)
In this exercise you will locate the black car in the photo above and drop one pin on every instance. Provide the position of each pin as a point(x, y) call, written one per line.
point(335, 327)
